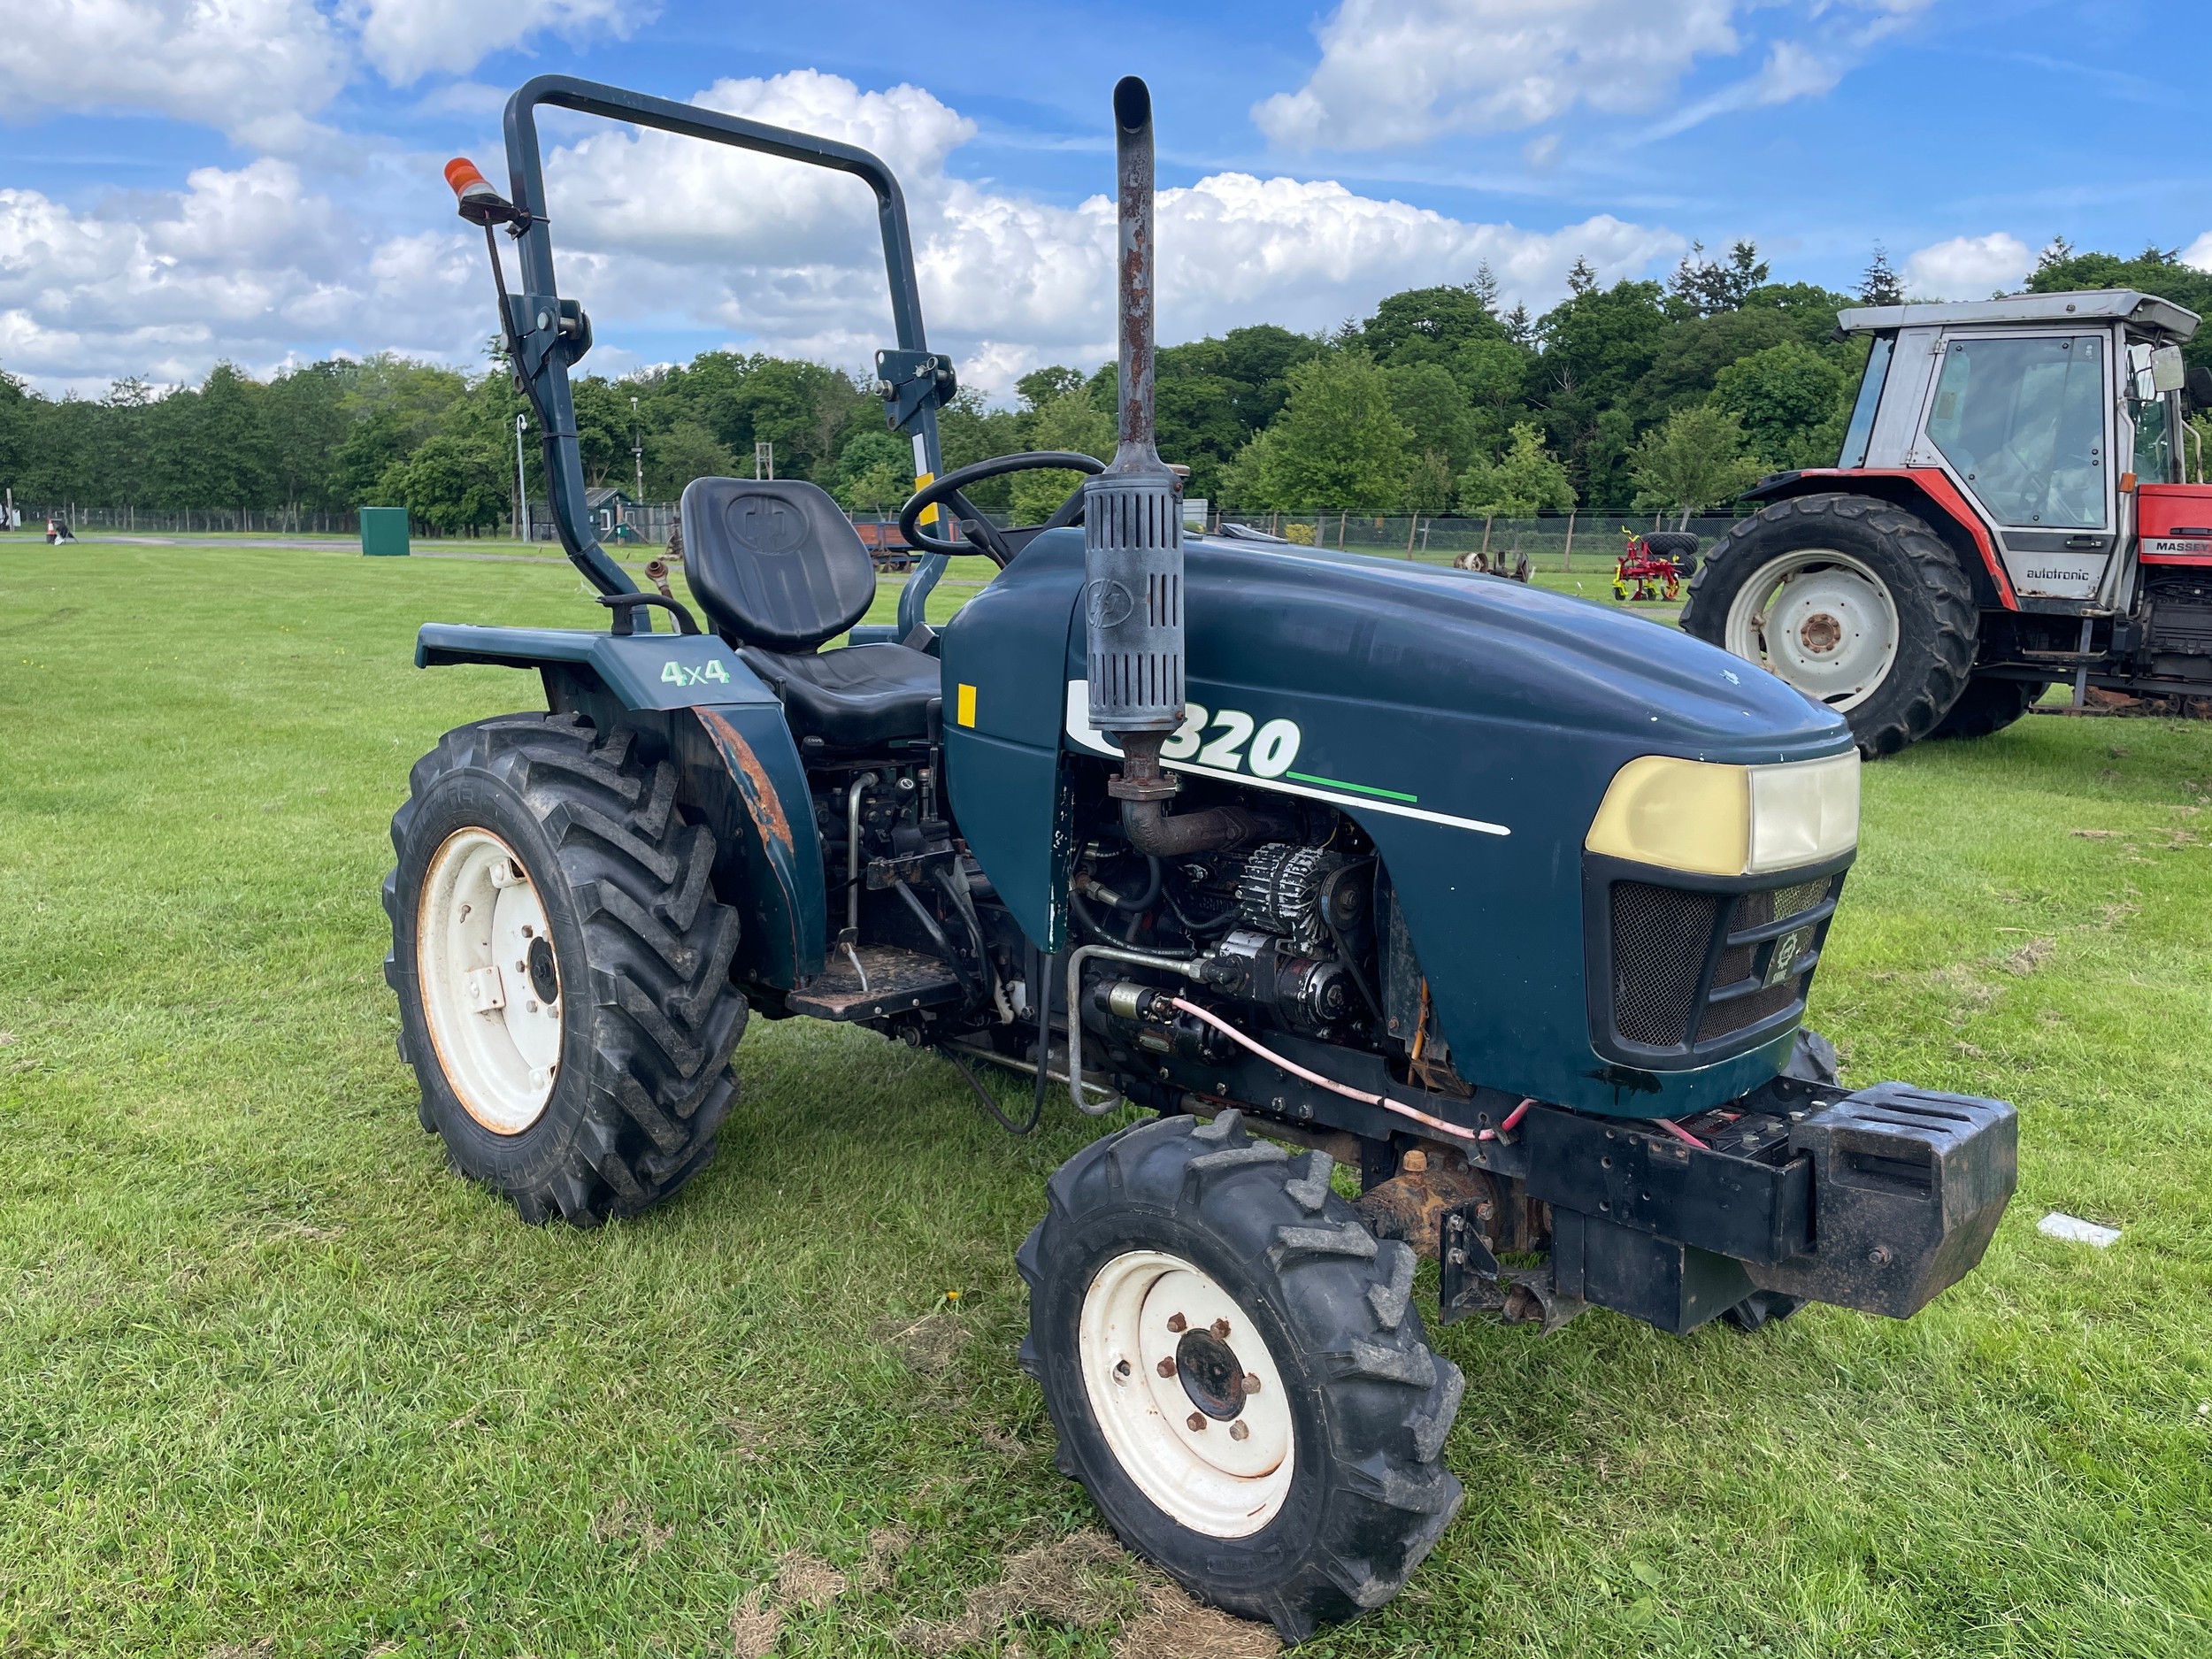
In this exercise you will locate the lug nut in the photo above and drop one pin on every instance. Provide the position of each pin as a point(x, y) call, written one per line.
point(1177, 1324)
point(1879, 1255)
point(1221, 1329)
point(1415, 1163)
point(1239, 1430)
point(1251, 1382)
point(1166, 1367)
point(1197, 1422)
point(1122, 1370)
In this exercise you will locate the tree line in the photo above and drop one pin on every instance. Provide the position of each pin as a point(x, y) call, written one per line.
point(1652, 395)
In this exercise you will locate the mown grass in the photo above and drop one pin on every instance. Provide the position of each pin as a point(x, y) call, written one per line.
point(269, 1375)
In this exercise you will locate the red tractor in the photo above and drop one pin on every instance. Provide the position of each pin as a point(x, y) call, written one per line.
point(1652, 565)
point(2010, 510)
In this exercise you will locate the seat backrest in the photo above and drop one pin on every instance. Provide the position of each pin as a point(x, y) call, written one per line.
point(774, 561)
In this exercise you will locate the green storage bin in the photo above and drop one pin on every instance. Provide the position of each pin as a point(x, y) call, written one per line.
point(384, 532)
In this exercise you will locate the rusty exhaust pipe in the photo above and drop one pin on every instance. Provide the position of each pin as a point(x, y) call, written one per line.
point(1133, 530)
point(1132, 546)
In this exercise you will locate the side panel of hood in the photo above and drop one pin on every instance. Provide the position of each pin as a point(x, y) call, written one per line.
point(1470, 726)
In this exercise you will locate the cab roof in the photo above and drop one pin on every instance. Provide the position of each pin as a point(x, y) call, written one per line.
point(2145, 312)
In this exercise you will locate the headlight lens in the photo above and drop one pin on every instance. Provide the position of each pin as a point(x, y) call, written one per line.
point(1717, 820)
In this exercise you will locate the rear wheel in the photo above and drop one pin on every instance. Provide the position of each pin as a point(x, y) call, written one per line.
point(1989, 704)
point(1237, 1372)
point(562, 967)
point(1678, 547)
point(1856, 603)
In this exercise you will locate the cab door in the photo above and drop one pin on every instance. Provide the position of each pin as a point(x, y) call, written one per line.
point(2022, 422)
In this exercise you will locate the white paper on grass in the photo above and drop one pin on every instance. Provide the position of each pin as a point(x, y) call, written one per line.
point(2074, 1230)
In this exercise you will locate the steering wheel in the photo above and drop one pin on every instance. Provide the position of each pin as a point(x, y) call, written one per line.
point(987, 540)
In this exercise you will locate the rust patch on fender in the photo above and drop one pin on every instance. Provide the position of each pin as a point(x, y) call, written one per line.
point(761, 805)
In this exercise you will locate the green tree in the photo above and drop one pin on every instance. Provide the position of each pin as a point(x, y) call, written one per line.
point(1695, 460)
point(1338, 443)
point(875, 471)
point(1070, 421)
point(1435, 409)
point(1520, 484)
point(1793, 402)
point(1039, 387)
point(684, 451)
point(449, 482)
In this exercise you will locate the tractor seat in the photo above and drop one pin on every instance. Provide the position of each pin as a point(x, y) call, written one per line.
point(861, 696)
point(779, 569)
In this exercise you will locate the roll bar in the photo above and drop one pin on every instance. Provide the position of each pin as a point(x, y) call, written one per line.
point(549, 333)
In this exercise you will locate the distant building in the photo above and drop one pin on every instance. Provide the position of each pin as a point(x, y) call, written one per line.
point(605, 506)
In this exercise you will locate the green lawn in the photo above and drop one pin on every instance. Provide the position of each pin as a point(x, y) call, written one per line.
point(272, 1382)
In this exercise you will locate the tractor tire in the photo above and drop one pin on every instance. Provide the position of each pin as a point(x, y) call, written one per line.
point(1678, 547)
point(1281, 1458)
point(1878, 621)
point(1989, 704)
point(601, 1093)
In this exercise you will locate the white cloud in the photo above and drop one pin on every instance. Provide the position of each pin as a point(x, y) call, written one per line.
point(1403, 72)
point(255, 70)
point(2199, 253)
point(1967, 267)
point(659, 235)
point(790, 255)
point(243, 264)
point(408, 39)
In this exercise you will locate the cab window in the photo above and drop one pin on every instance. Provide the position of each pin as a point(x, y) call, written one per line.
point(2150, 411)
point(2023, 422)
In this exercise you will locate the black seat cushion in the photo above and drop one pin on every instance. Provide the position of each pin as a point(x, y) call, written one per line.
point(858, 698)
point(774, 561)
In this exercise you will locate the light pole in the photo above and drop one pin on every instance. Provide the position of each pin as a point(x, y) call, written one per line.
point(637, 451)
point(522, 500)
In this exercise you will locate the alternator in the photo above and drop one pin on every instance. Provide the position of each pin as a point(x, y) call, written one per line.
point(1279, 890)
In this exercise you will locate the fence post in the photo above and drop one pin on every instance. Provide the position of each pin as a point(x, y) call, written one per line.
point(1567, 558)
point(1412, 530)
point(1487, 517)
point(1342, 519)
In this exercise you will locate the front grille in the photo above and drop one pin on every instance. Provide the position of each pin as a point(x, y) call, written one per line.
point(1660, 937)
point(1683, 974)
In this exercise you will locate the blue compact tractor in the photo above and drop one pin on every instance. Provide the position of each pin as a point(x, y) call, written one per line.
point(1494, 908)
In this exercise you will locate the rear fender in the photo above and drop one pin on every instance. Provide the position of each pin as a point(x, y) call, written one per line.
point(725, 732)
point(1924, 490)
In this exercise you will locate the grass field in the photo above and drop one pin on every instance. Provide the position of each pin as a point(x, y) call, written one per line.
point(273, 1383)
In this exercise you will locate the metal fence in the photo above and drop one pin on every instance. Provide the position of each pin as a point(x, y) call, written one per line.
point(1552, 541)
point(1567, 541)
point(192, 521)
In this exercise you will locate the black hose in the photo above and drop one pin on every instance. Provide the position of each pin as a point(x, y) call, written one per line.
point(1051, 977)
point(1145, 901)
point(983, 1097)
point(937, 937)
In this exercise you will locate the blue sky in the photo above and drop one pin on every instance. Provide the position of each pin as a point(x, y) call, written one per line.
point(259, 181)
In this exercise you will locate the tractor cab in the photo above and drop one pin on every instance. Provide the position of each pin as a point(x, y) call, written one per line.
point(2015, 473)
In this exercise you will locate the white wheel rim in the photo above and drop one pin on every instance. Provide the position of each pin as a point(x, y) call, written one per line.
point(478, 930)
point(1227, 1477)
point(1819, 619)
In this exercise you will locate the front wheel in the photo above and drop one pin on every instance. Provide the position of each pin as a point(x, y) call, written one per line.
point(562, 967)
point(1237, 1372)
point(1855, 601)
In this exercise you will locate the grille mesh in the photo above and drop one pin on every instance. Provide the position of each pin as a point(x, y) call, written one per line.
point(1659, 940)
point(1740, 1012)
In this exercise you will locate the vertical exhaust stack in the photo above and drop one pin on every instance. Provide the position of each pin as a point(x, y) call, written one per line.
point(1133, 524)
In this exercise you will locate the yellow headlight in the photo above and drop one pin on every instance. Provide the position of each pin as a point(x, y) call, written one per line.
point(1717, 820)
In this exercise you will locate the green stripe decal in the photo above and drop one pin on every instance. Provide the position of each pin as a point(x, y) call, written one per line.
point(1358, 788)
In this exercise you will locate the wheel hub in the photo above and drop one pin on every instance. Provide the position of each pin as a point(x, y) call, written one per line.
point(1820, 619)
point(1187, 1394)
point(1212, 1374)
point(490, 980)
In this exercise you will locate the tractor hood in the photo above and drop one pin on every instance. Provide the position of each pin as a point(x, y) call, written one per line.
point(1469, 724)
